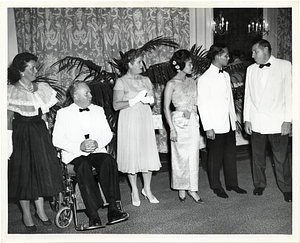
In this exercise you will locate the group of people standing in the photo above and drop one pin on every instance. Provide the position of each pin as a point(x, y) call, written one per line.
point(82, 132)
point(267, 116)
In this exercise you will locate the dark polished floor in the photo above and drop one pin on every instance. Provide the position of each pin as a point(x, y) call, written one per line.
point(240, 218)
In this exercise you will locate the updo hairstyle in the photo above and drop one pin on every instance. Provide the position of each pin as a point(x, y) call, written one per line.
point(129, 57)
point(18, 65)
point(179, 59)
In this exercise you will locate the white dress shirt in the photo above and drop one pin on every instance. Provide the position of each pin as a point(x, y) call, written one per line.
point(215, 101)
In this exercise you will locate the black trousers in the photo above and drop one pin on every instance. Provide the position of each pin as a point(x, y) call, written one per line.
point(222, 153)
point(107, 171)
point(279, 145)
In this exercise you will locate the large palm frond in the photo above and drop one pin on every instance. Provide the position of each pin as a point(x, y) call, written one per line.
point(156, 42)
point(160, 73)
point(200, 62)
point(236, 68)
point(118, 64)
point(86, 68)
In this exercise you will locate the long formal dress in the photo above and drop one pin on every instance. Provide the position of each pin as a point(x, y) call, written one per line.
point(185, 152)
point(136, 145)
point(33, 169)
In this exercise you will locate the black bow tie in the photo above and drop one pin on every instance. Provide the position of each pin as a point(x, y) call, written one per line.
point(264, 65)
point(85, 109)
point(221, 70)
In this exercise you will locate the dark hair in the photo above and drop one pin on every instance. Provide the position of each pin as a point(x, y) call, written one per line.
point(214, 50)
point(262, 44)
point(129, 57)
point(179, 59)
point(18, 65)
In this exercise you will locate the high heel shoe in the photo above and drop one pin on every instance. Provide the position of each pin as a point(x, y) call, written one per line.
point(181, 199)
point(197, 201)
point(154, 200)
point(46, 222)
point(29, 228)
point(135, 203)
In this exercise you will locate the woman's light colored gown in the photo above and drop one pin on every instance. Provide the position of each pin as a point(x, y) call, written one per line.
point(137, 149)
point(185, 152)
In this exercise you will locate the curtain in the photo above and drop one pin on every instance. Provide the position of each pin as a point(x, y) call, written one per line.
point(284, 33)
point(98, 34)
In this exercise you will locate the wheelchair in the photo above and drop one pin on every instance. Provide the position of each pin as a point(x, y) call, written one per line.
point(69, 202)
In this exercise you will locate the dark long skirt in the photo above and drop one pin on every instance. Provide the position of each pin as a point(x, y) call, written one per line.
point(33, 170)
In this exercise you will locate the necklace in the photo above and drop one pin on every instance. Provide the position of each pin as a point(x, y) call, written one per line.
point(27, 87)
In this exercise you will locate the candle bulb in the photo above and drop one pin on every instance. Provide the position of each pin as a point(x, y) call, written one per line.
point(226, 25)
point(256, 26)
point(248, 28)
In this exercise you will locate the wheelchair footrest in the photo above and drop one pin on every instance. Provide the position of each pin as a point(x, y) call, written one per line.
point(84, 227)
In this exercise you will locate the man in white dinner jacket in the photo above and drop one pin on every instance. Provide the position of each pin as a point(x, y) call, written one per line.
point(82, 132)
point(217, 113)
point(268, 116)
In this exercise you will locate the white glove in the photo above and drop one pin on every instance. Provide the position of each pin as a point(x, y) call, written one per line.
point(137, 98)
point(148, 100)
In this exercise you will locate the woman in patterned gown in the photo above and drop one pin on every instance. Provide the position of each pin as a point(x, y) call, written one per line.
point(184, 127)
point(136, 145)
point(33, 170)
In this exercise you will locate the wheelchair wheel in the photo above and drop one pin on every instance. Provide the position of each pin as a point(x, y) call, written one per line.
point(63, 217)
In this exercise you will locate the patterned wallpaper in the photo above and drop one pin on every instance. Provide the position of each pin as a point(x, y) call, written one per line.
point(284, 33)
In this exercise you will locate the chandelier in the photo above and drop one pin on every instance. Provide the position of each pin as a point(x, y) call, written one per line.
point(258, 27)
point(220, 26)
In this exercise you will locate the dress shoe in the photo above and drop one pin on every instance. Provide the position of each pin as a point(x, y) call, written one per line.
point(154, 200)
point(46, 222)
point(116, 217)
point(220, 193)
point(196, 200)
point(135, 203)
point(258, 191)
point(94, 221)
point(181, 199)
point(287, 196)
point(30, 228)
point(181, 195)
point(236, 189)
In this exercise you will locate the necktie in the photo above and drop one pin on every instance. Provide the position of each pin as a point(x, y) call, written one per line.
point(264, 65)
point(85, 109)
point(221, 70)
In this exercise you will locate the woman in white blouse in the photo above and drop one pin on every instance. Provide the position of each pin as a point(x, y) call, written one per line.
point(33, 170)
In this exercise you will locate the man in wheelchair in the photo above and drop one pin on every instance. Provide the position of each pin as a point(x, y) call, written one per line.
point(81, 131)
